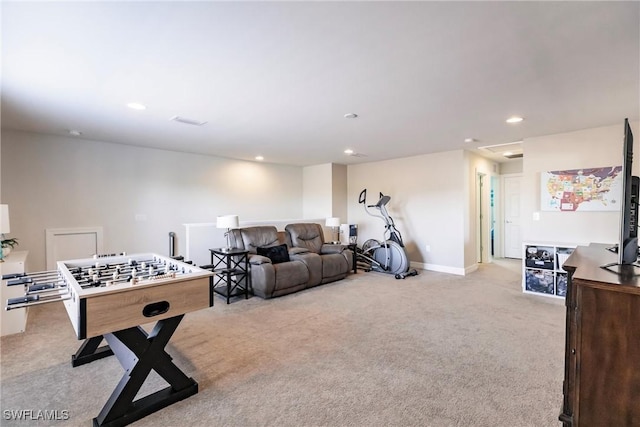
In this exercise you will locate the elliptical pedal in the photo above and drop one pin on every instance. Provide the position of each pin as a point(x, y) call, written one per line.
point(412, 272)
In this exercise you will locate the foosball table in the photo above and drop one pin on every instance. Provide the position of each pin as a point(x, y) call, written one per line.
point(108, 298)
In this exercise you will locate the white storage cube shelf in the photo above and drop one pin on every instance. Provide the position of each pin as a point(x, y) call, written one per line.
point(542, 272)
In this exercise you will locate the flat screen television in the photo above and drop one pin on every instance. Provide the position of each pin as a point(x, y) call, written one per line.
point(627, 247)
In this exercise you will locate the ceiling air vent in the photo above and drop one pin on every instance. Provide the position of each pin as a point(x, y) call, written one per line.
point(510, 150)
point(187, 121)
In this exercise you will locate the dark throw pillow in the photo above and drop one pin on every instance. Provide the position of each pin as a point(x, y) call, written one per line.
point(276, 254)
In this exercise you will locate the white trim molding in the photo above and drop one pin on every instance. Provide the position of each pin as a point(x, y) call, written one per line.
point(52, 233)
point(445, 268)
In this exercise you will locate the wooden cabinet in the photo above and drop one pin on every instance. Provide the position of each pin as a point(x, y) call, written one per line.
point(13, 321)
point(602, 349)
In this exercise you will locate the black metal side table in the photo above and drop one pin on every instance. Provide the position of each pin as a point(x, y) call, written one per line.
point(354, 248)
point(231, 268)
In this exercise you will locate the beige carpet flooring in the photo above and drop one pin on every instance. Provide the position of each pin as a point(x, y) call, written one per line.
point(431, 350)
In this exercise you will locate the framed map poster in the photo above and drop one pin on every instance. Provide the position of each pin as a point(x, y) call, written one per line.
point(588, 189)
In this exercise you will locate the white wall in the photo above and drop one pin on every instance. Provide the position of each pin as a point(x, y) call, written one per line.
point(325, 191)
point(427, 204)
point(317, 191)
point(511, 166)
point(1, 199)
point(59, 182)
point(581, 149)
point(339, 191)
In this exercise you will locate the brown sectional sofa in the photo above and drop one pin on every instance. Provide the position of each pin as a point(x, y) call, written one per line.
point(304, 262)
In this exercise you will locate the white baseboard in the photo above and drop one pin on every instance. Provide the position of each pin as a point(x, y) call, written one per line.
point(445, 268)
point(470, 269)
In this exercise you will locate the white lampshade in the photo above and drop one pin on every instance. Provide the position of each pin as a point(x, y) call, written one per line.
point(333, 222)
point(4, 219)
point(227, 221)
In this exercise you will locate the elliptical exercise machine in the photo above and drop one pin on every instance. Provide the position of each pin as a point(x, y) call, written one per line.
point(388, 255)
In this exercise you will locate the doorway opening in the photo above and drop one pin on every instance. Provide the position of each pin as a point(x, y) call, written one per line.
point(487, 235)
point(493, 208)
point(482, 235)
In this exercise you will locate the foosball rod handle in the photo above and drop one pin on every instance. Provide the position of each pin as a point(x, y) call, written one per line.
point(30, 300)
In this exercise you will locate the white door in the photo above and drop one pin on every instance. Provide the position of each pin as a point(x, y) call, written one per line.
point(512, 231)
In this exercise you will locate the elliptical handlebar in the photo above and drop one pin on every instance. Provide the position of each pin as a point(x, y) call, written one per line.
point(390, 232)
point(362, 198)
point(380, 206)
point(382, 201)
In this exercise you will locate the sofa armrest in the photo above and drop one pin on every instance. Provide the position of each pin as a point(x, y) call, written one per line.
point(297, 251)
point(332, 249)
point(258, 259)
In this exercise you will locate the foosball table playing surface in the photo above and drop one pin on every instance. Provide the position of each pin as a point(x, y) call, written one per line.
point(109, 298)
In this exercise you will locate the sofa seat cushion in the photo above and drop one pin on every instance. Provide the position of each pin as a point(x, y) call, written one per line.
point(334, 265)
point(276, 254)
point(290, 274)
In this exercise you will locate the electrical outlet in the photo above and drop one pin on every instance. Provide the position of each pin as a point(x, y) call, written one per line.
point(427, 248)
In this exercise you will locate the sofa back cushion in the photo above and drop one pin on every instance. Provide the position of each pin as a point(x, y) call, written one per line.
point(306, 235)
point(252, 238)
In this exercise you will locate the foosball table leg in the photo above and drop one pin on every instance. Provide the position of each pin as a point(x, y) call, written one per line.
point(90, 351)
point(139, 353)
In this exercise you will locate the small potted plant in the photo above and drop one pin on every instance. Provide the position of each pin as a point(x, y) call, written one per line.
point(7, 245)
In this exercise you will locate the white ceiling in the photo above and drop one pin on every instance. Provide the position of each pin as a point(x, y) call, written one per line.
point(276, 78)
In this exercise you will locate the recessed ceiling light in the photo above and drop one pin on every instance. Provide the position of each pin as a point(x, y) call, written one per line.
point(259, 158)
point(350, 116)
point(352, 153)
point(469, 140)
point(137, 106)
point(514, 119)
point(74, 132)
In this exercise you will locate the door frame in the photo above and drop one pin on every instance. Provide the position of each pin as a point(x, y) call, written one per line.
point(483, 217)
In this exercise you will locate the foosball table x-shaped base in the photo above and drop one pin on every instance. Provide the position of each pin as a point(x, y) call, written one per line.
point(139, 353)
point(89, 351)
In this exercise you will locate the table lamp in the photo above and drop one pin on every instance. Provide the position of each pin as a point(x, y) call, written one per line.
point(334, 223)
point(228, 222)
